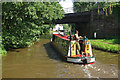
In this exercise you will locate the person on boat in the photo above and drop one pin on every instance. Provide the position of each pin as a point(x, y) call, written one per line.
point(77, 37)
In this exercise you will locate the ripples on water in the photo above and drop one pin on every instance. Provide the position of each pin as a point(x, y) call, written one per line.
point(42, 61)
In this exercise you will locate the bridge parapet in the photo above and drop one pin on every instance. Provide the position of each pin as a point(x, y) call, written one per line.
point(83, 17)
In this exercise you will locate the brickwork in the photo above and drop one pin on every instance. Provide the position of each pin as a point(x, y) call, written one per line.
point(104, 27)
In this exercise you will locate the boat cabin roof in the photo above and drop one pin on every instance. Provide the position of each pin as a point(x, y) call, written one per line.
point(63, 37)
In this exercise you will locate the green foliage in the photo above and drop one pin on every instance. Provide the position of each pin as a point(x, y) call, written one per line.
point(23, 22)
point(107, 6)
point(82, 6)
point(68, 28)
point(2, 49)
point(106, 47)
point(111, 41)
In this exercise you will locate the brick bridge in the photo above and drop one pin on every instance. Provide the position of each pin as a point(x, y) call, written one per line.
point(89, 22)
point(83, 17)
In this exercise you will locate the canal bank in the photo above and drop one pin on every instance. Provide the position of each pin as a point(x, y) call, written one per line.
point(109, 45)
point(42, 61)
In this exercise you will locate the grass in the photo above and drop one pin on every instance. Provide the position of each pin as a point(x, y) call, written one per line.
point(110, 44)
point(111, 41)
point(3, 52)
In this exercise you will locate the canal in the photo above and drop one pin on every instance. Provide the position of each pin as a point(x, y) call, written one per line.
point(42, 61)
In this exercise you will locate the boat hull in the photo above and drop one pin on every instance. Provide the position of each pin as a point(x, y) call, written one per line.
point(81, 60)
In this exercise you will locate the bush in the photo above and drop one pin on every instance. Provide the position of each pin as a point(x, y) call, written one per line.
point(2, 49)
point(23, 22)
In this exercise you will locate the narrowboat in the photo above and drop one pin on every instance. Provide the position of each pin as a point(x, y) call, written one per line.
point(72, 50)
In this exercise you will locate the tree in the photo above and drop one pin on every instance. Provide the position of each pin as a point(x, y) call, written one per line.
point(22, 22)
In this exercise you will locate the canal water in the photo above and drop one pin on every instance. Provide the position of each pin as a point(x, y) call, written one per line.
point(42, 61)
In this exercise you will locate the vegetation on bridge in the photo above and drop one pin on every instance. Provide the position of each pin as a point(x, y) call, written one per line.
point(108, 7)
point(23, 22)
